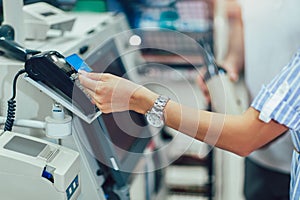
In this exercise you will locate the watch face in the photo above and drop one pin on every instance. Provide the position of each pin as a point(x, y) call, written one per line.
point(154, 120)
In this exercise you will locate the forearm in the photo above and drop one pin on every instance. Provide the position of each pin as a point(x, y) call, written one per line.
point(235, 53)
point(239, 134)
point(223, 131)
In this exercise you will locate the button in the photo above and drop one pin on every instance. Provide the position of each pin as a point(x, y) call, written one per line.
point(83, 49)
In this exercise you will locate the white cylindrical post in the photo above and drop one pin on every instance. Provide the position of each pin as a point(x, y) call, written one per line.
point(58, 125)
point(13, 15)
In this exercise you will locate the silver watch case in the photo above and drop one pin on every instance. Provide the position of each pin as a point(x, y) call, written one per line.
point(155, 116)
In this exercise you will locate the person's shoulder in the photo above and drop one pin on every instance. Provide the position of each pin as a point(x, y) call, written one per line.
point(294, 63)
point(298, 53)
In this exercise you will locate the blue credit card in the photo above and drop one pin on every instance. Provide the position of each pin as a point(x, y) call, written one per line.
point(75, 61)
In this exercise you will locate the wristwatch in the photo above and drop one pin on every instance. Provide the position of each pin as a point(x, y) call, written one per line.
point(155, 116)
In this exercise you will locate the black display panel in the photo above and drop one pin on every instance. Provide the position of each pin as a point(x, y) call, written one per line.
point(128, 131)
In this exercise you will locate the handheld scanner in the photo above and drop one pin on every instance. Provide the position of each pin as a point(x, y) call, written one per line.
point(12, 49)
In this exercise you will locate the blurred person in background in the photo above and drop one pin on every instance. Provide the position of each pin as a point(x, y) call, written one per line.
point(264, 34)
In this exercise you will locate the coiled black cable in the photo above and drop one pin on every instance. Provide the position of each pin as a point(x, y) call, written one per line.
point(11, 110)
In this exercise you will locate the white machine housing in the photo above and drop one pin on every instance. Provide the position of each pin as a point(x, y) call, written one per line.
point(40, 17)
point(32, 168)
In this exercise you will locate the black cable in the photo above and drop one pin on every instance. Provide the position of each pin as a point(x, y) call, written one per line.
point(12, 104)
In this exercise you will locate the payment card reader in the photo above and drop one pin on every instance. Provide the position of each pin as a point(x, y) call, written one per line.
point(57, 76)
point(32, 168)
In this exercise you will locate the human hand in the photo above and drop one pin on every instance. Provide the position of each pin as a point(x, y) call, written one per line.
point(231, 69)
point(111, 93)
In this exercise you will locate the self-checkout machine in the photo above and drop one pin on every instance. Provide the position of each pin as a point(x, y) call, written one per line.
point(88, 31)
point(33, 166)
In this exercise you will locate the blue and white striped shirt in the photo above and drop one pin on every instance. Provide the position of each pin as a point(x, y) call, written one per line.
point(280, 101)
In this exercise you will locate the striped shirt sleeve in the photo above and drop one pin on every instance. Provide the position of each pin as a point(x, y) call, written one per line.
point(280, 99)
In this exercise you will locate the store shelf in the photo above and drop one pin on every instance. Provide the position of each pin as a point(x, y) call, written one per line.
point(191, 175)
point(185, 196)
point(178, 60)
point(187, 179)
